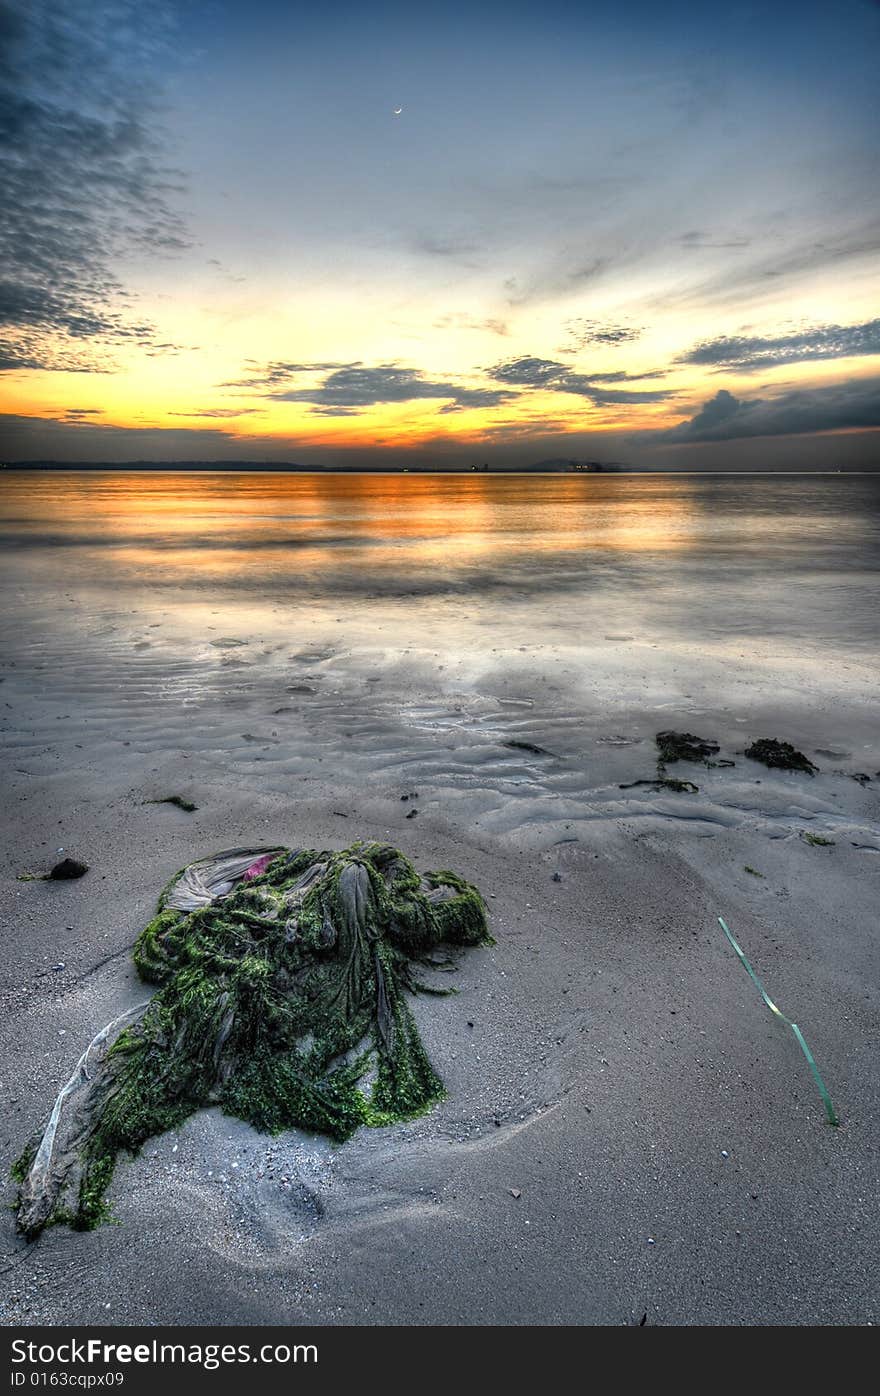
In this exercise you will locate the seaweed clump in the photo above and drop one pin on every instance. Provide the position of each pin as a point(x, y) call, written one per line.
point(181, 802)
point(683, 746)
point(678, 746)
point(283, 979)
point(684, 787)
point(780, 756)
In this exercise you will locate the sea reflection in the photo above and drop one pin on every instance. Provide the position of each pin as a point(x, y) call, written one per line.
point(663, 555)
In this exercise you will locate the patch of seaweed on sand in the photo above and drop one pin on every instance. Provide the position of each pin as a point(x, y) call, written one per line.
point(282, 986)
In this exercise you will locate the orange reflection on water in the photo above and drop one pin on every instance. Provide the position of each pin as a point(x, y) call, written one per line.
point(215, 526)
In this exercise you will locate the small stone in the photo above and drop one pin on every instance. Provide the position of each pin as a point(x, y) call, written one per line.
point(557, 877)
point(515, 1192)
point(725, 1154)
point(651, 1241)
point(412, 814)
point(59, 966)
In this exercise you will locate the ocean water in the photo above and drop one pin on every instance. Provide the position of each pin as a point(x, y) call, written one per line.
point(412, 627)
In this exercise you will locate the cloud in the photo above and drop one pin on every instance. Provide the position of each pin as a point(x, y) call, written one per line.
point(27, 438)
point(582, 333)
point(823, 342)
point(344, 390)
point(697, 240)
point(221, 412)
point(756, 275)
point(454, 248)
point(554, 377)
point(461, 321)
point(276, 372)
point(82, 178)
point(851, 405)
point(564, 274)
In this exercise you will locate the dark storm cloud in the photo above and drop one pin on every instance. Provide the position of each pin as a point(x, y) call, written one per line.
point(824, 342)
point(851, 405)
point(355, 386)
point(555, 377)
point(81, 177)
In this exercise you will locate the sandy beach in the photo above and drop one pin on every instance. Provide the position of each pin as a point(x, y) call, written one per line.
point(629, 1135)
point(440, 508)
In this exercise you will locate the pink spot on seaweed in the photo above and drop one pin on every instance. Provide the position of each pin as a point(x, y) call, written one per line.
point(258, 868)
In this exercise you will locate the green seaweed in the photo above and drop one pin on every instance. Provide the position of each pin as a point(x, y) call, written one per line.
point(816, 840)
point(754, 871)
point(684, 746)
point(274, 1002)
point(684, 787)
point(780, 756)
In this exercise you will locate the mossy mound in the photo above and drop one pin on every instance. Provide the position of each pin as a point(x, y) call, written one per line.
point(283, 981)
point(780, 756)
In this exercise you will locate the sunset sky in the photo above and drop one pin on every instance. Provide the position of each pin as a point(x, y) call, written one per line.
point(634, 232)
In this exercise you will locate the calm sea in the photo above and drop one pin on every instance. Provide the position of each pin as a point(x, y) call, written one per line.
point(434, 619)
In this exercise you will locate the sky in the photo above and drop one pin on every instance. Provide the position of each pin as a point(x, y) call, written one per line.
point(440, 235)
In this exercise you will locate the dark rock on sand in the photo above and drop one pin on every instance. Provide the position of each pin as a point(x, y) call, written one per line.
point(68, 868)
point(780, 756)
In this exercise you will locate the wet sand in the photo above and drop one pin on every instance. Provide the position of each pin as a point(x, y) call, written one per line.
point(609, 1060)
point(628, 1131)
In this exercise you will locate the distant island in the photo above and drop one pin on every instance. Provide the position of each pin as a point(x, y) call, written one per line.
point(554, 466)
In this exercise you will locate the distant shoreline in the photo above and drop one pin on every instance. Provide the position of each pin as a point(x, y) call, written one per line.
point(247, 468)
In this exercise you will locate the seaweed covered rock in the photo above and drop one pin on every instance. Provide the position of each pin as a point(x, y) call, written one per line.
point(780, 756)
point(283, 980)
